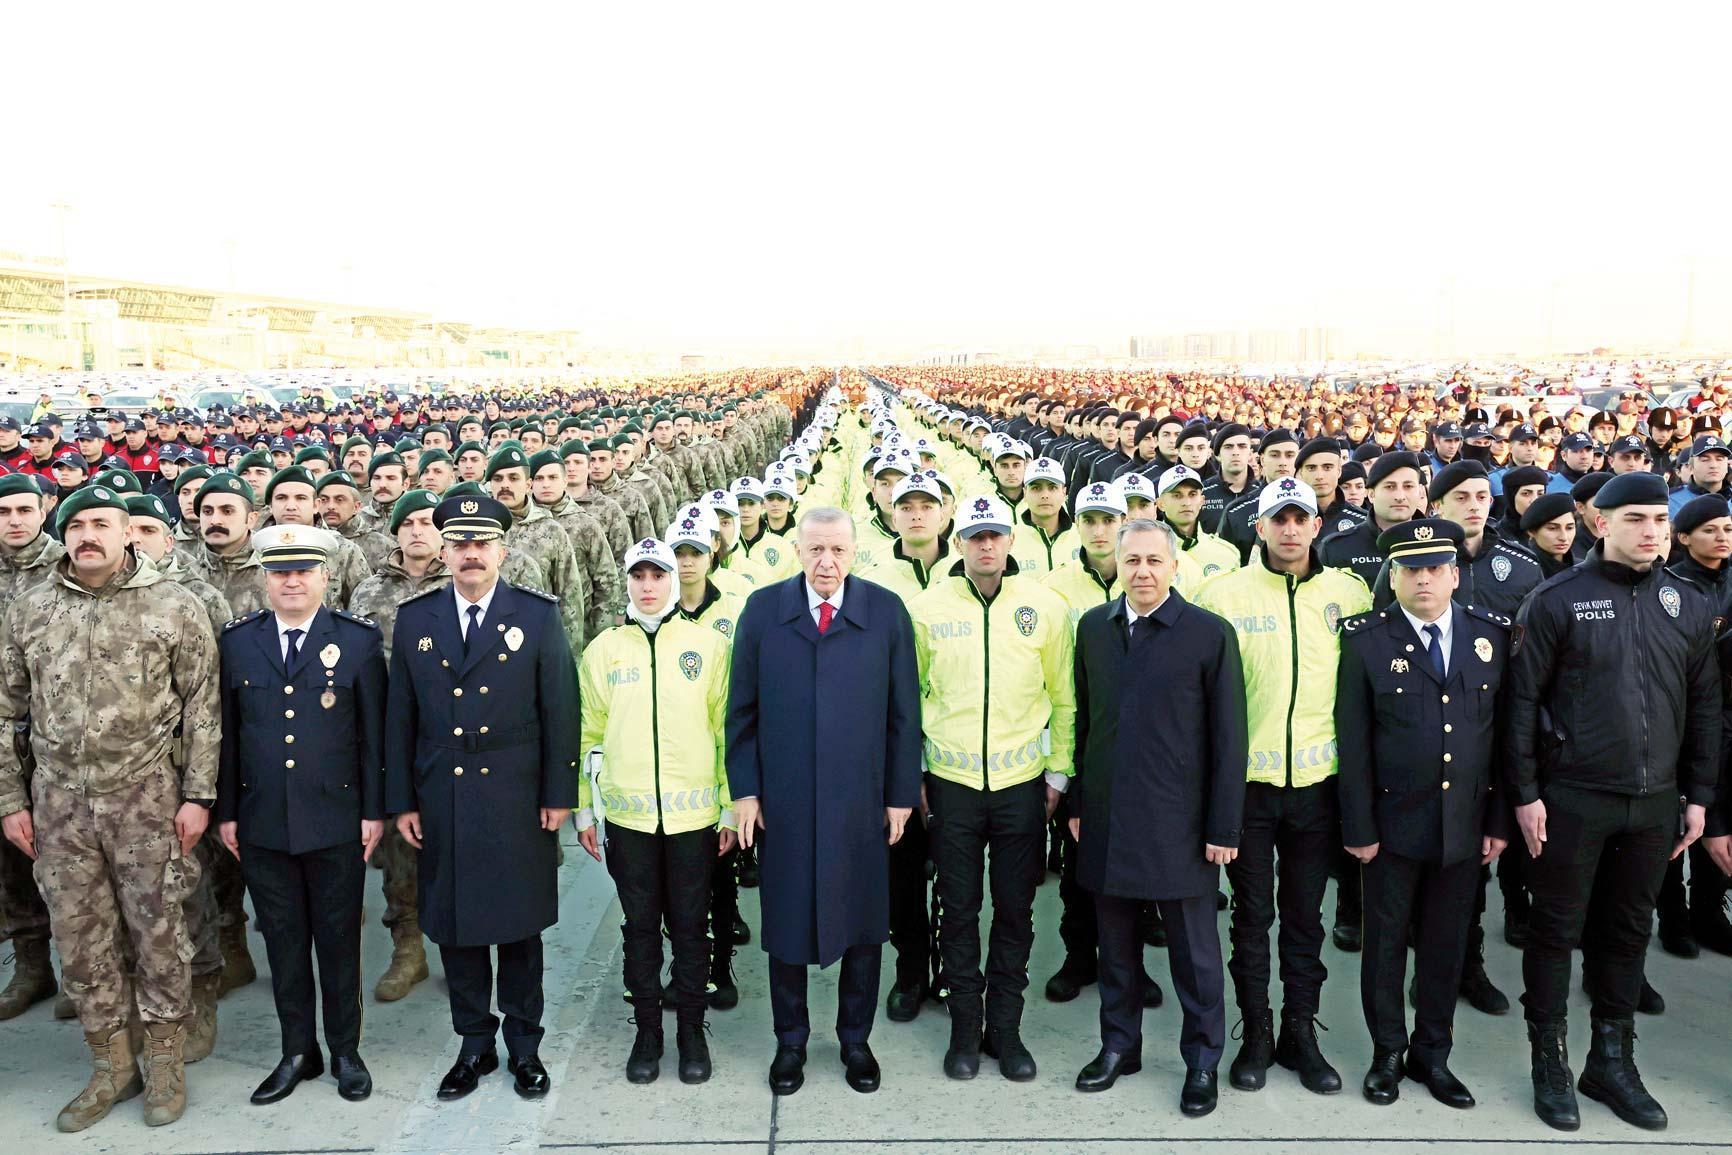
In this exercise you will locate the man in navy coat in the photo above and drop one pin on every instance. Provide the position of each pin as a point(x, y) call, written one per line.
point(824, 768)
point(1157, 801)
point(481, 769)
point(301, 796)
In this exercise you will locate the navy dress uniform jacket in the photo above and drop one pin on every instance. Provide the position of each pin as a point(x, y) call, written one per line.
point(825, 732)
point(1161, 747)
point(303, 751)
point(478, 744)
point(1416, 769)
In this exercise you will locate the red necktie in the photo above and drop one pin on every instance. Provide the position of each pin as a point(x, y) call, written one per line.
point(826, 611)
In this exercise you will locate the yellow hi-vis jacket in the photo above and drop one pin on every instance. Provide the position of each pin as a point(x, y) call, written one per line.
point(657, 706)
point(1080, 585)
point(1289, 639)
point(1037, 554)
point(904, 576)
point(720, 610)
point(993, 676)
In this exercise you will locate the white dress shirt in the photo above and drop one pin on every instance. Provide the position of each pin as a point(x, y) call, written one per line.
point(813, 601)
point(464, 603)
point(283, 628)
point(1444, 626)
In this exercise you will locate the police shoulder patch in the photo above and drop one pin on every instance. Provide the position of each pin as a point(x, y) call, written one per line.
point(244, 619)
point(1360, 621)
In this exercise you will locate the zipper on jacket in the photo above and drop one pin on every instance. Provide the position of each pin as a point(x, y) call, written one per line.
point(985, 692)
point(1642, 672)
point(655, 728)
point(1293, 641)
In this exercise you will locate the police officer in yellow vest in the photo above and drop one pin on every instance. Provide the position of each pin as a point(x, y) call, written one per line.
point(996, 674)
point(1287, 609)
point(1179, 497)
point(1090, 575)
point(654, 695)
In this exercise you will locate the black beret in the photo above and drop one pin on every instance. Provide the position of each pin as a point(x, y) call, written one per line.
point(1640, 488)
point(1194, 429)
point(1367, 451)
point(1523, 476)
point(1452, 475)
point(1231, 429)
point(1276, 437)
point(1388, 463)
point(1700, 510)
point(1145, 428)
point(1589, 486)
point(1315, 446)
point(1547, 507)
point(1353, 471)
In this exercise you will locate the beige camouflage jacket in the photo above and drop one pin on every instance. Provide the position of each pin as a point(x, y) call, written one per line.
point(109, 678)
point(379, 596)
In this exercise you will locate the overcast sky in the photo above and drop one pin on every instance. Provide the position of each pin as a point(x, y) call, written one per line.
point(721, 176)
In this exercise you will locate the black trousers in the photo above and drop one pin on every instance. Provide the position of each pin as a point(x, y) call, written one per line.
point(1594, 884)
point(1408, 900)
point(1011, 823)
point(310, 903)
point(1289, 834)
point(725, 898)
point(910, 915)
point(1077, 926)
point(1194, 956)
point(469, 974)
point(856, 997)
point(665, 878)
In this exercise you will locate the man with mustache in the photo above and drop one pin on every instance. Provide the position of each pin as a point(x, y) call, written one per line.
point(534, 534)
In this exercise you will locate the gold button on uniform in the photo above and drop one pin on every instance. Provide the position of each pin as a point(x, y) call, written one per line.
point(290, 763)
point(484, 689)
point(1446, 699)
point(484, 769)
point(458, 693)
point(1446, 785)
point(1448, 729)
point(458, 732)
point(288, 689)
point(1410, 649)
point(458, 771)
point(484, 729)
point(1449, 757)
point(289, 738)
point(288, 713)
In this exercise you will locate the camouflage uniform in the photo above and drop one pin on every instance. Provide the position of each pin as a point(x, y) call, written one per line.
point(654, 484)
point(348, 568)
point(611, 515)
point(376, 545)
point(606, 583)
point(534, 534)
point(639, 508)
point(23, 915)
point(238, 577)
point(109, 678)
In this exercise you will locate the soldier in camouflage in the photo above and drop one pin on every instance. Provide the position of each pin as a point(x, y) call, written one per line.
point(292, 497)
point(535, 535)
point(111, 662)
point(339, 500)
point(27, 558)
point(387, 478)
point(664, 500)
point(413, 568)
point(574, 456)
point(636, 504)
point(606, 591)
point(186, 487)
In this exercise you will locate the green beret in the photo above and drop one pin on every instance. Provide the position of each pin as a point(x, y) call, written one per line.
point(196, 473)
point(497, 426)
point(411, 501)
point(619, 439)
point(602, 445)
point(405, 444)
point(312, 453)
point(631, 427)
point(542, 460)
point(429, 456)
point(289, 473)
point(257, 459)
point(470, 446)
point(123, 480)
point(570, 423)
point(467, 489)
point(661, 417)
point(573, 449)
point(88, 497)
point(221, 482)
point(508, 456)
point(13, 484)
point(350, 443)
point(386, 458)
point(335, 478)
point(147, 505)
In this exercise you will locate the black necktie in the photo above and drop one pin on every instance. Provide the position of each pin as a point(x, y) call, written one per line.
point(294, 637)
point(469, 635)
point(1435, 650)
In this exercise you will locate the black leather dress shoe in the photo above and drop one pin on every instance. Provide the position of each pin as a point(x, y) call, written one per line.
point(289, 1074)
point(1105, 1068)
point(466, 1073)
point(354, 1081)
point(1198, 1095)
point(1346, 937)
point(1383, 1081)
point(903, 1005)
point(788, 1070)
point(1443, 1085)
point(530, 1077)
point(862, 1068)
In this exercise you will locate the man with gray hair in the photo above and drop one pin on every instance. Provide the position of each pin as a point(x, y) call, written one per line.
point(1157, 800)
point(824, 765)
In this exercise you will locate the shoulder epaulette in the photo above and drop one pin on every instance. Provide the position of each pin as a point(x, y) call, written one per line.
point(1363, 621)
point(1517, 552)
point(424, 594)
point(357, 619)
point(546, 597)
point(244, 619)
point(1484, 614)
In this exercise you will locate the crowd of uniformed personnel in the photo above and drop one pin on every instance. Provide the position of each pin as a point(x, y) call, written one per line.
point(1461, 643)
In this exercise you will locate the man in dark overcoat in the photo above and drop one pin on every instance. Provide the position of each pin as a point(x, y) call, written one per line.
point(823, 759)
point(481, 769)
point(1156, 802)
